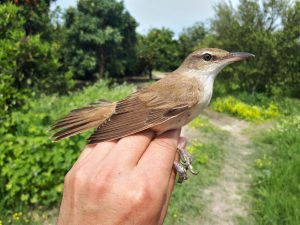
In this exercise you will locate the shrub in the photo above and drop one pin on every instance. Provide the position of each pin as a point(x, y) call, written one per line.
point(240, 109)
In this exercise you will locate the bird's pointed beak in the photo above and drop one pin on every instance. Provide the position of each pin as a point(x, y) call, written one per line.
point(238, 56)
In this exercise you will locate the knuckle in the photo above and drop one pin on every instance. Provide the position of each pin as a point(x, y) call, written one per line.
point(142, 195)
point(99, 185)
point(79, 177)
point(102, 182)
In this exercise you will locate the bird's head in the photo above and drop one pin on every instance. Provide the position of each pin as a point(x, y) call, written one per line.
point(210, 61)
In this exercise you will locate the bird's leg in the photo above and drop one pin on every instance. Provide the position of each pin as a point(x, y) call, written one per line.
point(185, 162)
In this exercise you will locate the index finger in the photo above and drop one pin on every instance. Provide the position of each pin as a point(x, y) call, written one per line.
point(159, 157)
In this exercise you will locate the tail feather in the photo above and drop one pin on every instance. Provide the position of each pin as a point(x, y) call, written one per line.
point(83, 119)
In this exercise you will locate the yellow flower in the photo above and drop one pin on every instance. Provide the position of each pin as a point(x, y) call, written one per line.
point(243, 110)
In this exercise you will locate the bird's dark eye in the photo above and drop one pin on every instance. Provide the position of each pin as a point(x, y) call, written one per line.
point(207, 57)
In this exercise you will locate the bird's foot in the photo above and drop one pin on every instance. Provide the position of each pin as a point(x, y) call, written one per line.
point(181, 171)
point(185, 163)
point(186, 160)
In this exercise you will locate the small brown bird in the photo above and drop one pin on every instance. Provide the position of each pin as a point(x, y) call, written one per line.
point(167, 104)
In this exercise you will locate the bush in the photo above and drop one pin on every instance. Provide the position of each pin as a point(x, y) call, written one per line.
point(240, 109)
point(32, 168)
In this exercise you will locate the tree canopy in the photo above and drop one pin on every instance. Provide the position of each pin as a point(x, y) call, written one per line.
point(158, 50)
point(268, 30)
point(190, 38)
point(27, 63)
point(101, 38)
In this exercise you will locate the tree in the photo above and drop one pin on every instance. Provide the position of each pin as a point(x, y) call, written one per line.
point(10, 29)
point(190, 38)
point(255, 28)
point(38, 20)
point(28, 64)
point(158, 50)
point(288, 76)
point(100, 38)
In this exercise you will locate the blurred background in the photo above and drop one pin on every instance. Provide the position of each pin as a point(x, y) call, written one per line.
point(59, 55)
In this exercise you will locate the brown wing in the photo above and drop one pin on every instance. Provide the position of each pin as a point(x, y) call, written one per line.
point(149, 107)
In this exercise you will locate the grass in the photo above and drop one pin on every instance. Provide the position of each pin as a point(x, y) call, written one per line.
point(275, 187)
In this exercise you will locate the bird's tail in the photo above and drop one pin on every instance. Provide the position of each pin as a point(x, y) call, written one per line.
point(83, 119)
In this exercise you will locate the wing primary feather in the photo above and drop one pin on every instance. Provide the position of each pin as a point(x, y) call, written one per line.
point(80, 120)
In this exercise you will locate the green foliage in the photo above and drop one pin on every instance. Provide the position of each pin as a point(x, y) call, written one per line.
point(16, 218)
point(240, 109)
point(27, 63)
point(190, 38)
point(32, 167)
point(158, 50)
point(100, 39)
point(37, 16)
point(201, 123)
point(276, 182)
point(267, 29)
point(286, 106)
point(10, 31)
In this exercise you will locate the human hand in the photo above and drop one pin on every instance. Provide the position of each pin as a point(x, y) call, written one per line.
point(124, 182)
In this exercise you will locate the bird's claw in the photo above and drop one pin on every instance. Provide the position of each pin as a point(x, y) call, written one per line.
point(184, 165)
point(192, 170)
point(181, 171)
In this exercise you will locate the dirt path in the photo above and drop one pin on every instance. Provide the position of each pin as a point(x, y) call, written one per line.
point(224, 199)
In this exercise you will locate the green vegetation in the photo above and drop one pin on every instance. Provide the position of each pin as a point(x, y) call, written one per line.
point(27, 63)
point(200, 122)
point(157, 50)
point(255, 107)
point(100, 39)
point(275, 189)
point(32, 168)
point(254, 27)
point(245, 111)
point(190, 38)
